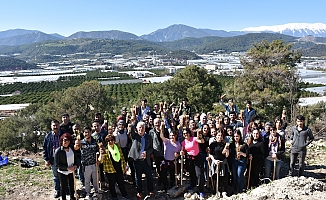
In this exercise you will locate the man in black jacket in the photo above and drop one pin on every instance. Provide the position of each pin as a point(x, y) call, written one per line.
point(140, 151)
point(299, 142)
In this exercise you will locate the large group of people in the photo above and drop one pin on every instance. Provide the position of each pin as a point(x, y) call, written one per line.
point(217, 153)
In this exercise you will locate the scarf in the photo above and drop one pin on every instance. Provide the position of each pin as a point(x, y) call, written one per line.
point(114, 152)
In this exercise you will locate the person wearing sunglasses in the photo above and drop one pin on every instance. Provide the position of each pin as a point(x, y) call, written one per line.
point(114, 166)
point(195, 163)
point(65, 161)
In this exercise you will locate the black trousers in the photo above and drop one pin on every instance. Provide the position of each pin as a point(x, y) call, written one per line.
point(168, 166)
point(196, 171)
point(116, 178)
point(64, 180)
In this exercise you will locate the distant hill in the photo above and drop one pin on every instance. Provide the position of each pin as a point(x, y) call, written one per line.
point(14, 32)
point(10, 64)
point(171, 33)
point(28, 38)
point(179, 31)
point(46, 50)
point(114, 34)
point(242, 43)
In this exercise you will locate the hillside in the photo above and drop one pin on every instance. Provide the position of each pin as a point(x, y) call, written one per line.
point(11, 64)
point(44, 51)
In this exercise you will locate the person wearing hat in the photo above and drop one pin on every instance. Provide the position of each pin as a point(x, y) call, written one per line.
point(184, 107)
point(66, 125)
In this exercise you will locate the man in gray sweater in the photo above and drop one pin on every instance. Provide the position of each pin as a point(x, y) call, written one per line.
point(299, 142)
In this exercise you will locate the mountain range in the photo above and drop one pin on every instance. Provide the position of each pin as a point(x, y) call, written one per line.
point(15, 37)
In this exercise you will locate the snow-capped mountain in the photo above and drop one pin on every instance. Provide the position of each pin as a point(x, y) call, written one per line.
point(293, 29)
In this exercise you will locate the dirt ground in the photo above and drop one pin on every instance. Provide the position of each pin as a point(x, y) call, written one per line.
point(17, 182)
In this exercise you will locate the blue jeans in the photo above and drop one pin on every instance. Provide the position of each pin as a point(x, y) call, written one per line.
point(238, 169)
point(269, 167)
point(203, 157)
point(55, 177)
point(141, 168)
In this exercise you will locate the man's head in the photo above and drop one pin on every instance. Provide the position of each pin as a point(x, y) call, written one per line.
point(96, 126)
point(121, 125)
point(185, 101)
point(55, 126)
point(141, 128)
point(98, 116)
point(87, 131)
point(157, 123)
point(143, 102)
point(268, 126)
point(248, 104)
point(232, 115)
point(155, 108)
point(230, 102)
point(300, 121)
point(76, 129)
point(65, 118)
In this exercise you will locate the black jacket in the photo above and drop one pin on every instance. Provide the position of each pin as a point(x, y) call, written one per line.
point(60, 158)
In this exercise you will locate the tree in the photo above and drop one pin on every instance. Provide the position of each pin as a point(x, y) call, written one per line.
point(269, 78)
point(202, 89)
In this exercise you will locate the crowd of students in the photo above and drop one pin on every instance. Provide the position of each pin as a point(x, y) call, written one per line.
point(223, 149)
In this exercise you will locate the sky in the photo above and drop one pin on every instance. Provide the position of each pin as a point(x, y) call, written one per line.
point(140, 17)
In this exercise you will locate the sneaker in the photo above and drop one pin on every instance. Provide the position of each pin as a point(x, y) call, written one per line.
point(224, 195)
point(202, 195)
point(95, 194)
point(56, 194)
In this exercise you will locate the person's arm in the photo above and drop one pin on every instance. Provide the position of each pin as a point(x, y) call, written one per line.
point(311, 137)
point(199, 139)
point(45, 151)
point(162, 132)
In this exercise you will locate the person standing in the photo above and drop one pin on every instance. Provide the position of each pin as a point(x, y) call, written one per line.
point(50, 144)
point(248, 112)
point(184, 107)
point(298, 139)
point(218, 154)
point(114, 166)
point(274, 150)
point(66, 163)
point(89, 148)
point(171, 151)
point(190, 148)
point(99, 136)
point(239, 153)
point(143, 110)
point(76, 137)
point(66, 125)
point(158, 149)
point(256, 155)
point(229, 107)
point(140, 151)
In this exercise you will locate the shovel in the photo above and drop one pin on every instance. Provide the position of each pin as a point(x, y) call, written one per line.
point(76, 195)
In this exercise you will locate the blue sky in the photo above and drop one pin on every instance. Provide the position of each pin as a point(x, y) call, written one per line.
point(145, 16)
